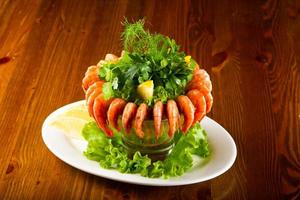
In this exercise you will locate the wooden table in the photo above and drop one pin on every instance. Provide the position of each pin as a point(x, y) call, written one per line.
point(250, 49)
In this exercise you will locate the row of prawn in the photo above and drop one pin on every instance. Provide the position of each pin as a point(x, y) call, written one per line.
point(194, 105)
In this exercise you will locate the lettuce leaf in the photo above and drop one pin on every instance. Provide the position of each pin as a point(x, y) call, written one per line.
point(110, 153)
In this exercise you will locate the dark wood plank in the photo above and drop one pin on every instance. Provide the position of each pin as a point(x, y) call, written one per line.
point(250, 49)
point(17, 20)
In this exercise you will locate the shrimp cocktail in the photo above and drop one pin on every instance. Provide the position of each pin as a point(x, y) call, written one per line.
point(148, 94)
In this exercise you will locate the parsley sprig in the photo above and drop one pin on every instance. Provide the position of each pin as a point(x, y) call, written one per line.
point(147, 57)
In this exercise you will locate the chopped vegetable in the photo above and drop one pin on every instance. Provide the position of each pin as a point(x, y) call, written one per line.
point(145, 90)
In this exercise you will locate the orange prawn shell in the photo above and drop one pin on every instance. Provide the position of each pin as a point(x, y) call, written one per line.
point(129, 113)
point(115, 109)
point(158, 111)
point(173, 117)
point(199, 102)
point(141, 115)
point(100, 113)
point(188, 110)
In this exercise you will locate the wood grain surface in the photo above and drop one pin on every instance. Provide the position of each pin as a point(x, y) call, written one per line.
point(251, 49)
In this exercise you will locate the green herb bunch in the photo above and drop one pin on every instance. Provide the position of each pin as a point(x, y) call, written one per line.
point(147, 57)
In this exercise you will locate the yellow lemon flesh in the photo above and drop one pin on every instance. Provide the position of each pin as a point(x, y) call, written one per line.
point(187, 59)
point(145, 90)
point(78, 112)
point(72, 121)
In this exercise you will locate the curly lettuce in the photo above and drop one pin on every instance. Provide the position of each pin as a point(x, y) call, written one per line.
point(110, 153)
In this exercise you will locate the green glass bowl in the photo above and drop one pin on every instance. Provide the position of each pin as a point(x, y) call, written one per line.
point(156, 149)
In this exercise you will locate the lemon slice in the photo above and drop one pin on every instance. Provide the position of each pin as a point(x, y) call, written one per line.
point(145, 90)
point(78, 112)
point(72, 121)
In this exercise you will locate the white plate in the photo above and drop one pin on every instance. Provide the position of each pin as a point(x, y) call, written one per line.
point(69, 150)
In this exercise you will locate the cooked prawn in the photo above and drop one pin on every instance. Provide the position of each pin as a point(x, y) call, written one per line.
point(115, 109)
point(209, 102)
point(88, 80)
point(199, 85)
point(91, 89)
point(91, 100)
point(188, 110)
point(90, 76)
point(201, 72)
point(128, 115)
point(101, 63)
point(111, 57)
point(196, 68)
point(173, 117)
point(139, 119)
point(100, 109)
point(199, 102)
point(158, 110)
point(108, 57)
point(91, 69)
point(202, 76)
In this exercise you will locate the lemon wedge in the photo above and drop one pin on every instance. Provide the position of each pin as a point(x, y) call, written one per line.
point(145, 90)
point(71, 126)
point(78, 112)
point(72, 121)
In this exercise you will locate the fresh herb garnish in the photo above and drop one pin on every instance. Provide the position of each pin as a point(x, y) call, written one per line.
point(147, 57)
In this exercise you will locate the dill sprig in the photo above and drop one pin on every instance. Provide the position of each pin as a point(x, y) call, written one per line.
point(147, 57)
point(140, 41)
point(135, 37)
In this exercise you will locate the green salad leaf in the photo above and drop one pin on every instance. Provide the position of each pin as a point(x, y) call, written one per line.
point(110, 153)
point(147, 57)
